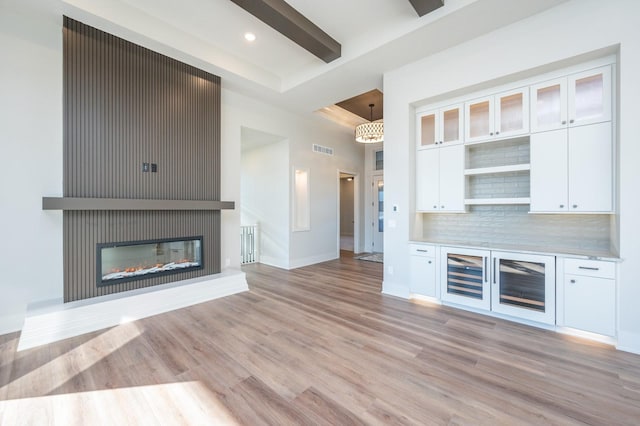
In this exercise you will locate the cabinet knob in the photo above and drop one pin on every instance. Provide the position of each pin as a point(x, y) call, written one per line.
point(571, 121)
point(562, 206)
point(572, 281)
point(564, 121)
point(429, 262)
point(575, 206)
point(491, 134)
point(435, 207)
point(442, 207)
point(497, 133)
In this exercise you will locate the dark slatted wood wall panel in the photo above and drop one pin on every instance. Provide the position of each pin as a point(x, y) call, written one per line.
point(125, 105)
point(85, 229)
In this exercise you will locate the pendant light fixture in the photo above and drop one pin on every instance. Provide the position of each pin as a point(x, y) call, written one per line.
point(371, 132)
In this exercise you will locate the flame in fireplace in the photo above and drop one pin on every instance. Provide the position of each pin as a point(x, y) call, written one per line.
point(133, 271)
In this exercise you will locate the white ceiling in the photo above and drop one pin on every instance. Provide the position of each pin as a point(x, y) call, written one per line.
point(376, 36)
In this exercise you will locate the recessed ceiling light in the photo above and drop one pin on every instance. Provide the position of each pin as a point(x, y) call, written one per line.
point(249, 36)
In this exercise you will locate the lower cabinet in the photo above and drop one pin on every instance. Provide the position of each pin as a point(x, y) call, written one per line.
point(515, 284)
point(423, 270)
point(568, 292)
point(588, 296)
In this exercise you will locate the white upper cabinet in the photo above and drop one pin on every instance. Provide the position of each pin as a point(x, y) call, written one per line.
point(590, 96)
point(549, 105)
point(572, 170)
point(502, 115)
point(438, 127)
point(576, 100)
point(440, 179)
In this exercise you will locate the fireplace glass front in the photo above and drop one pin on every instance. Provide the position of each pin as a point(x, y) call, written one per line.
point(128, 261)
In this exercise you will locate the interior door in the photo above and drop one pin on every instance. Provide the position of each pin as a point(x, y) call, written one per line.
point(377, 222)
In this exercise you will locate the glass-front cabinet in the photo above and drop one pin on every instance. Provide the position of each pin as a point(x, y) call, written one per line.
point(576, 100)
point(516, 284)
point(441, 126)
point(590, 97)
point(465, 277)
point(502, 115)
point(523, 285)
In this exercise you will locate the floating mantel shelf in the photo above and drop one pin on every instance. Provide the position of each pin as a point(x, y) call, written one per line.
point(71, 203)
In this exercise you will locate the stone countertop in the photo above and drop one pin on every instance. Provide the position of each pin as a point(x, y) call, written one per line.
point(523, 248)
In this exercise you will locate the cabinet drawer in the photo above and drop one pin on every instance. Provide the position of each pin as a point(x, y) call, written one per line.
point(422, 250)
point(590, 268)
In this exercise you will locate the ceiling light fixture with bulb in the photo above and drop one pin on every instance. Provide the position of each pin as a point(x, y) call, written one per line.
point(371, 132)
point(250, 37)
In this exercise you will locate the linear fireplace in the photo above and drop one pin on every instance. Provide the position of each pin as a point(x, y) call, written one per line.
point(136, 260)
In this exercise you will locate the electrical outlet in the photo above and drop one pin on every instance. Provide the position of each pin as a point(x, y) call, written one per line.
point(154, 168)
point(145, 167)
point(227, 261)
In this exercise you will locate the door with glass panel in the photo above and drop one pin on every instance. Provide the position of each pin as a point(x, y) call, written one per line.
point(549, 105)
point(512, 113)
point(377, 222)
point(589, 96)
point(465, 277)
point(523, 285)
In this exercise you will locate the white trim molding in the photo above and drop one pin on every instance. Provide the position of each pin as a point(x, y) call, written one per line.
point(47, 323)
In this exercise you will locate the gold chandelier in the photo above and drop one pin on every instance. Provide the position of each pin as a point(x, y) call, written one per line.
point(371, 132)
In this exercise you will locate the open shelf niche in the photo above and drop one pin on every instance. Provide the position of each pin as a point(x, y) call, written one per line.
point(497, 172)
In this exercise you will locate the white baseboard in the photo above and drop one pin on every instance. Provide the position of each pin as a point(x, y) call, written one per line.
point(396, 290)
point(312, 260)
point(11, 323)
point(49, 323)
point(274, 261)
point(628, 342)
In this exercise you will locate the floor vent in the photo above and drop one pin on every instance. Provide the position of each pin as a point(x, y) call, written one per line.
point(322, 149)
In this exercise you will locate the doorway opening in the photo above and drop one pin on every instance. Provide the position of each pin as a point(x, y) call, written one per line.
point(348, 212)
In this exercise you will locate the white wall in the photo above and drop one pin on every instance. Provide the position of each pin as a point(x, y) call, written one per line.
point(320, 243)
point(265, 197)
point(31, 159)
point(571, 29)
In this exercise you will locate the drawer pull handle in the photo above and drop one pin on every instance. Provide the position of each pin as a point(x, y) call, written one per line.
point(573, 281)
point(589, 268)
point(422, 250)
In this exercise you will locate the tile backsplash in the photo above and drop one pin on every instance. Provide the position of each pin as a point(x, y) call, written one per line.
point(513, 225)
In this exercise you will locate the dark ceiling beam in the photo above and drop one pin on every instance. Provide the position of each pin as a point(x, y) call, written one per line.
point(426, 6)
point(292, 24)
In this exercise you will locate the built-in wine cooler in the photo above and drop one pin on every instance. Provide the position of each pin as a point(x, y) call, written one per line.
point(515, 284)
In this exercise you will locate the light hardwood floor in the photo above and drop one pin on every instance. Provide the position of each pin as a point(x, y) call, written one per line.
point(318, 345)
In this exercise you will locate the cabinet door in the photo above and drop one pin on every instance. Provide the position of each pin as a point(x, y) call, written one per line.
point(428, 180)
point(590, 303)
point(428, 132)
point(452, 178)
point(479, 119)
point(523, 285)
point(590, 96)
point(549, 105)
point(423, 275)
point(465, 277)
point(512, 113)
point(451, 124)
point(591, 168)
point(549, 174)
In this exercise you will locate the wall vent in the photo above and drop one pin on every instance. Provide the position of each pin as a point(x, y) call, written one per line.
point(322, 149)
